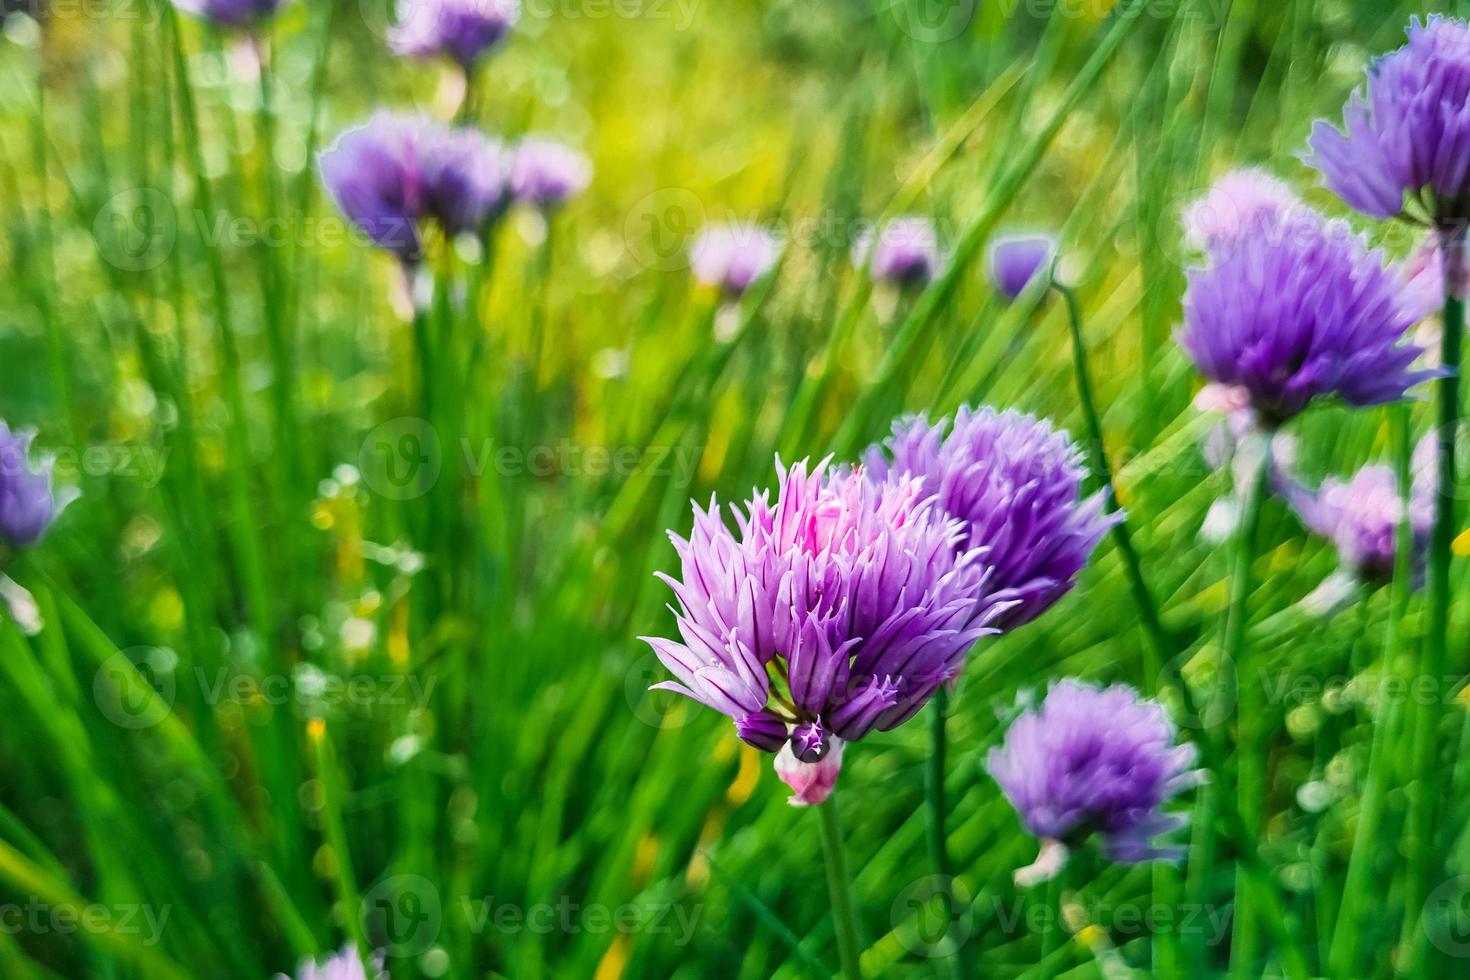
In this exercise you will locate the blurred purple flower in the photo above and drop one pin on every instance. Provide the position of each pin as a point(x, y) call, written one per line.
point(345, 965)
point(838, 611)
point(374, 173)
point(28, 503)
point(230, 13)
point(463, 30)
point(1095, 760)
point(1294, 318)
point(545, 173)
point(1247, 199)
point(1406, 131)
point(1014, 261)
point(1361, 518)
point(466, 178)
point(904, 253)
point(393, 171)
point(733, 256)
point(1016, 482)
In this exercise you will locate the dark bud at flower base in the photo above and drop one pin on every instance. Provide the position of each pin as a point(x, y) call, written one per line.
point(763, 730)
point(809, 742)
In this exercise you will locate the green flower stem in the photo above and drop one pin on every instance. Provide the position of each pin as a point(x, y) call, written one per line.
point(1250, 780)
point(1347, 934)
point(1426, 747)
point(839, 888)
point(243, 524)
point(937, 805)
point(1158, 645)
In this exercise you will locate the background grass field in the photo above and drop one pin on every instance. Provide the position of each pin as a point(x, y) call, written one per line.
point(322, 662)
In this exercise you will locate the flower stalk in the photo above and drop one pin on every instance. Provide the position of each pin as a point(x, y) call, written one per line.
point(1157, 645)
point(839, 888)
point(1441, 537)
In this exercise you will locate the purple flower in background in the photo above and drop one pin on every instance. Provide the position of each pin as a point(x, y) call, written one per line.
point(1243, 200)
point(733, 256)
point(393, 171)
point(1095, 760)
point(1290, 319)
point(230, 13)
point(545, 173)
point(904, 253)
point(1361, 519)
point(466, 178)
point(28, 504)
point(1016, 260)
point(1016, 482)
point(835, 612)
point(1406, 132)
point(463, 30)
point(374, 173)
point(345, 965)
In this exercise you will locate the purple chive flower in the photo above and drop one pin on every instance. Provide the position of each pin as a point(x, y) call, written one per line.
point(904, 253)
point(1406, 131)
point(1361, 519)
point(345, 965)
point(1296, 318)
point(28, 504)
point(1016, 483)
point(230, 13)
point(462, 30)
point(837, 611)
point(1099, 761)
point(733, 256)
point(1248, 199)
point(1016, 260)
point(394, 171)
point(374, 173)
point(545, 173)
point(466, 178)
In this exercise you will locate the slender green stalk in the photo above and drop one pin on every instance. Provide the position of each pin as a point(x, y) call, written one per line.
point(1157, 648)
point(244, 526)
point(1158, 645)
point(1002, 191)
point(1357, 885)
point(1422, 792)
point(938, 807)
point(1250, 775)
point(335, 831)
point(839, 888)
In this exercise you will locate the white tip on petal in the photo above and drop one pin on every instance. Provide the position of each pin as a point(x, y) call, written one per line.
point(1049, 862)
point(21, 606)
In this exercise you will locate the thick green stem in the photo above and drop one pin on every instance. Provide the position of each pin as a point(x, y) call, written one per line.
point(1250, 765)
point(1426, 747)
point(839, 888)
